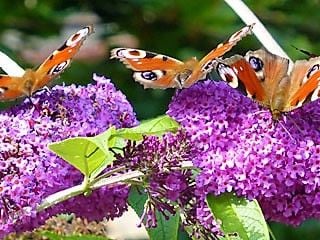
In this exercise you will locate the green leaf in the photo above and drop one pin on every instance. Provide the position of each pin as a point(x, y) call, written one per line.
point(89, 155)
point(241, 218)
point(156, 126)
point(55, 236)
point(166, 229)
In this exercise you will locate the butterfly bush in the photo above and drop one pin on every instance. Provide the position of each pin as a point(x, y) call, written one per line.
point(244, 151)
point(167, 178)
point(29, 172)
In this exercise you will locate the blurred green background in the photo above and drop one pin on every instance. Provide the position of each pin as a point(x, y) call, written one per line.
point(31, 29)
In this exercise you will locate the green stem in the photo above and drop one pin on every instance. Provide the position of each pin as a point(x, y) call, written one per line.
point(262, 34)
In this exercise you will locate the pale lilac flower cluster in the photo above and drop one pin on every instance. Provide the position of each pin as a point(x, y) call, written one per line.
point(29, 171)
point(244, 151)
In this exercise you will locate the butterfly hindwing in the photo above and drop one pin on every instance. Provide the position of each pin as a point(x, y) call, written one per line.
point(305, 79)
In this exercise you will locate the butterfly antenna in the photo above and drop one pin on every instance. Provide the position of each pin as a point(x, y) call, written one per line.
point(257, 112)
point(295, 124)
point(304, 51)
point(286, 130)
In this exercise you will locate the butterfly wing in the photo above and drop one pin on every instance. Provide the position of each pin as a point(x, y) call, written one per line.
point(59, 60)
point(238, 73)
point(10, 87)
point(305, 83)
point(152, 70)
point(207, 63)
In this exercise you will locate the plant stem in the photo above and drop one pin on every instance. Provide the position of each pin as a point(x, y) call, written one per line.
point(262, 34)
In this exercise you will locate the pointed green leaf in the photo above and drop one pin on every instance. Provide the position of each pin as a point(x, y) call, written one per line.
point(166, 229)
point(241, 218)
point(88, 154)
point(156, 126)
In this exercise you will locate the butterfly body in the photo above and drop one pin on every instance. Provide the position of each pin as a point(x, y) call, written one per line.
point(266, 78)
point(25, 82)
point(154, 70)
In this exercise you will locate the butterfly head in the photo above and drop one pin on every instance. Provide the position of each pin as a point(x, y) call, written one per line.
point(276, 114)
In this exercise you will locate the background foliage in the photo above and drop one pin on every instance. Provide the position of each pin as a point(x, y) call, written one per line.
point(180, 28)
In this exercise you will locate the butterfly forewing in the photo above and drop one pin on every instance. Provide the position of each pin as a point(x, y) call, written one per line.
point(222, 48)
point(207, 63)
point(141, 60)
point(60, 59)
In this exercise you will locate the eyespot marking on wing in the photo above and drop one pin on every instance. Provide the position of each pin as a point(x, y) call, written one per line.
point(148, 75)
point(57, 69)
point(256, 63)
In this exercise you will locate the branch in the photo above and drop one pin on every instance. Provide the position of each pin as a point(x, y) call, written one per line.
point(259, 30)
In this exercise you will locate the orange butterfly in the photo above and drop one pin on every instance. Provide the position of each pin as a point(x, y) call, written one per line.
point(266, 78)
point(20, 82)
point(154, 70)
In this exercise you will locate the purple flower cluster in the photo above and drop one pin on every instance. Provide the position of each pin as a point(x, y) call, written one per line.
point(167, 183)
point(29, 171)
point(244, 151)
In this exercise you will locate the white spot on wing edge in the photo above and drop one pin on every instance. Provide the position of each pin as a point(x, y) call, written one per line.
point(9, 66)
point(237, 36)
point(120, 53)
point(316, 92)
point(2, 91)
point(80, 35)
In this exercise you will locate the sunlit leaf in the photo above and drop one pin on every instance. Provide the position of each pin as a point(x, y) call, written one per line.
point(156, 126)
point(240, 218)
point(87, 154)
